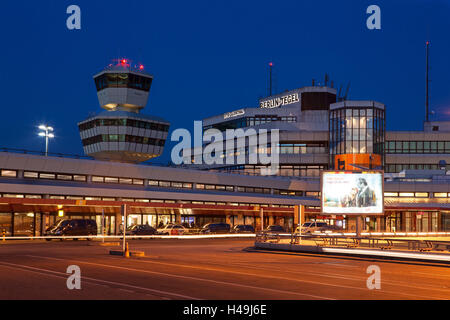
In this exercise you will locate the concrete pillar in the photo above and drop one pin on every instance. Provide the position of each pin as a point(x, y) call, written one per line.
point(379, 227)
point(118, 222)
point(359, 225)
point(261, 217)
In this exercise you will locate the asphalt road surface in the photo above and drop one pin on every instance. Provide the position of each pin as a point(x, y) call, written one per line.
point(211, 269)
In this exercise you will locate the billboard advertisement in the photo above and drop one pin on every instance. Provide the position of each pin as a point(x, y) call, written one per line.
point(352, 192)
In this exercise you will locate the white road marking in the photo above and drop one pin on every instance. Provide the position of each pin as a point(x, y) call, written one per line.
point(192, 278)
point(46, 271)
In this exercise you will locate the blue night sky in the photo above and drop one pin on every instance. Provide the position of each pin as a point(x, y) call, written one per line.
point(209, 57)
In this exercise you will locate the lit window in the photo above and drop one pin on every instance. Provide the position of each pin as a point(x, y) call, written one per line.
point(63, 177)
point(79, 178)
point(98, 179)
point(9, 195)
point(406, 194)
point(111, 180)
point(138, 182)
point(440, 195)
point(57, 197)
point(29, 174)
point(422, 194)
point(164, 184)
point(391, 194)
point(33, 196)
point(152, 183)
point(9, 173)
point(74, 198)
point(126, 181)
point(47, 176)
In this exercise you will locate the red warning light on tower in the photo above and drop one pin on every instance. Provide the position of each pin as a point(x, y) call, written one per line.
point(141, 67)
point(271, 64)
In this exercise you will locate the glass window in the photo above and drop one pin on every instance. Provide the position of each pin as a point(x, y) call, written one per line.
point(177, 185)
point(98, 179)
point(9, 173)
point(126, 180)
point(64, 177)
point(165, 184)
point(138, 182)
point(419, 146)
point(406, 194)
point(47, 176)
point(29, 174)
point(79, 178)
point(391, 194)
point(422, 194)
point(433, 146)
point(153, 182)
point(440, 195)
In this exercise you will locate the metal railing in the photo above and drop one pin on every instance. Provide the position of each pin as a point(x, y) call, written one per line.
point(350, 240)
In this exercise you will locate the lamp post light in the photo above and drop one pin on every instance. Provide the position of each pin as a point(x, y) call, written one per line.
point(47, 134)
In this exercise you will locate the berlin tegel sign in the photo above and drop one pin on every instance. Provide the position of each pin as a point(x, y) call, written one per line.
point(279, 101)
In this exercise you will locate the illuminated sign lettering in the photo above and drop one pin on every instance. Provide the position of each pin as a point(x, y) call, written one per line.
point(234, 114)
point(280, 101)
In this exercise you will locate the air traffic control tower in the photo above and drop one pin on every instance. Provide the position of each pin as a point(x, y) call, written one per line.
point(121, 132)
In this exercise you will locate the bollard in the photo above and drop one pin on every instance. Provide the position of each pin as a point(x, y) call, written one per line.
point(4, 235)
point(127, 252)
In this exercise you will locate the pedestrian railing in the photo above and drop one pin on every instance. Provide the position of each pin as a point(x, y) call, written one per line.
point(352, 241)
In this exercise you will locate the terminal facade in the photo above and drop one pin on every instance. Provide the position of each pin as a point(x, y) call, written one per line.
point(318, 131)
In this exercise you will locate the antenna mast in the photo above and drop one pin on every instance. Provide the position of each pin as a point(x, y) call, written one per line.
point(270, 78)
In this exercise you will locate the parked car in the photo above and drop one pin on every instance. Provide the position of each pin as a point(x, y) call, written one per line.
point(275, 228)
point(141, 230)
point(172, 229)
point(75, 227)
point(213, 228)
point(243, 228)
point(313, 226)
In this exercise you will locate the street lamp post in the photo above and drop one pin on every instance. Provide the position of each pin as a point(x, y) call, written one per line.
point(47, 134)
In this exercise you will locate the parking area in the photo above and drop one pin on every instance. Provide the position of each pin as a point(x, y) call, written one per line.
point(205, 269)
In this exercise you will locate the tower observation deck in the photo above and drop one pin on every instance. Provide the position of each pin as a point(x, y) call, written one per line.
point(121, 132)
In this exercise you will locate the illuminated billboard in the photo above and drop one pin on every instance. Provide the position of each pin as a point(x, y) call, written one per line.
point(352, 192)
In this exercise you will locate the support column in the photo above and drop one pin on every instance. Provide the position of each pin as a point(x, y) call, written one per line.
point(359, 225)
point(261, 217)
point(118, 222)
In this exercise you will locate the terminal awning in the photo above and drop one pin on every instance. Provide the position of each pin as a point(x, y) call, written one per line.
point(113, 207)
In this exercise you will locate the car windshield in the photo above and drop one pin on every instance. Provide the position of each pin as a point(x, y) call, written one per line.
point(307, 224)
point(62, 223)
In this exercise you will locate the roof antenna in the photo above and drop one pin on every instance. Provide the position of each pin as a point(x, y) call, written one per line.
point(346, 91)
point(270, 78)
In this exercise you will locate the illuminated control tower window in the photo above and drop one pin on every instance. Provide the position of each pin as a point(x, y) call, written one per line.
point(357, 131)
point(122, 133)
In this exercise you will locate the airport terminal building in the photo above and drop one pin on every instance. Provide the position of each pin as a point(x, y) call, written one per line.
point(318, 130)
